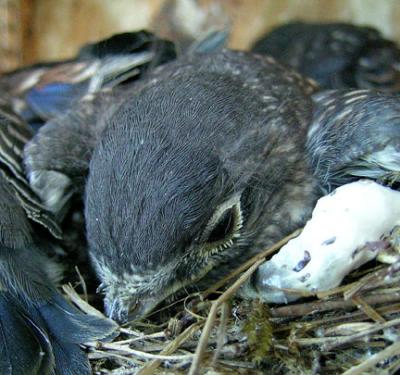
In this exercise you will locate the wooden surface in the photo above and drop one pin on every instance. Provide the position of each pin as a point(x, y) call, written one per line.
point(53, 29)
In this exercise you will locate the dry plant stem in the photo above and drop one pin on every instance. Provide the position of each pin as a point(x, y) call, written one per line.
point(390, 351)
point(321, 306)
point(331, 344)
point(83, 284)
point(150, 367)
point(82, 304)
point(138, 353)
point(171, 304)
point(340, 289)
point(201, 347)
point(221, 331)
point(370, 281)
point(129, 331)
point(248, 264)
point(118, 371)
point(366, 282)
point(157, 335)
point(345, 318)
point(368, 310)
point(98, 354)
point(237, 364)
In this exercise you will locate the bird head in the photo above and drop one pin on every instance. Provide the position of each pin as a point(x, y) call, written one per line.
point(188, 176)
point(161, 208)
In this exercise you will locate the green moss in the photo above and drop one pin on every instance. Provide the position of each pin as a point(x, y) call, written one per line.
point(258, 330)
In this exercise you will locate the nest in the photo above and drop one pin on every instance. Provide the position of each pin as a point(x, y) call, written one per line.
point(352, 329)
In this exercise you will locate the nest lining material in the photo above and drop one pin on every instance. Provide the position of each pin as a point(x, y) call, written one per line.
point(353, 329)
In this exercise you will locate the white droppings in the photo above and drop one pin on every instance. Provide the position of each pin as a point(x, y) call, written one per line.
point(345, 231)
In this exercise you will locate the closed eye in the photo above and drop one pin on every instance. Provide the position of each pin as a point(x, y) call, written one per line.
point(223, 227)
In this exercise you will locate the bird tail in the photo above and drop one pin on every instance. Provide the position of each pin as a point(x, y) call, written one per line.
point(46, 338)
point(40, 332)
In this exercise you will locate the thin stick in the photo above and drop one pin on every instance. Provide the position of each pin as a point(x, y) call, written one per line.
point(367, 309)
point(331, 344)
point(150, 367)
point(100, 354)
point(248, 264)
point(83, 284)
point(321, 306)
point(201, 347)
point(390, 351)
point(366, 281)
point(82, 304)
point(221, 331)
point(138, 353)
point(129, 331)
point(156, 335)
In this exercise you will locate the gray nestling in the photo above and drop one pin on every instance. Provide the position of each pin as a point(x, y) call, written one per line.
point(193, 170)
point(42, 91)
point(336, 55)
point(354, 134)
point(189, 173)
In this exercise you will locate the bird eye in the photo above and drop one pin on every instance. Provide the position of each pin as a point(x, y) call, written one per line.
point(224, 226)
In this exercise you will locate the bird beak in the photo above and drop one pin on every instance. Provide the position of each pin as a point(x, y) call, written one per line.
point(128, 311)
point(143, 307)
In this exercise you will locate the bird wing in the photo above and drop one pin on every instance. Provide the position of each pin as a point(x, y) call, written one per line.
point(14, 134)
point(40, 333)
point(354, 133)
point(41, 91)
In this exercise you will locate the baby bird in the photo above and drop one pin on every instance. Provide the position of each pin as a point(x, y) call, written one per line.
point(189, 172)
point(336, 55)
point(194, 169)
point(42, 91)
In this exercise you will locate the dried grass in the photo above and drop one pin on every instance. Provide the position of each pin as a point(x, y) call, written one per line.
point(353, 329)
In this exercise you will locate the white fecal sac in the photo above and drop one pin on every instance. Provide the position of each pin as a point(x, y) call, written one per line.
point(345, 231)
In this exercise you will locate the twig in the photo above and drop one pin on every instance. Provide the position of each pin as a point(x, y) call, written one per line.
point(331, 344)
point(82, 304)
point(129, 331)
point(367, 309)
point(248, 264)
point(221, 331)
point(156, 335)
point(150, 367)
point(201, 347)
point(390, 351)
point(366, 282)
point(82, 283)
point(98, 354)
point(321, 306)
point(138, 353)
point(370, 281)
